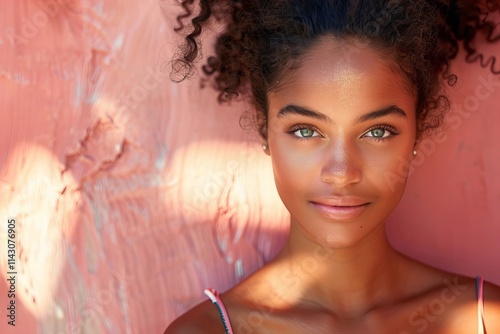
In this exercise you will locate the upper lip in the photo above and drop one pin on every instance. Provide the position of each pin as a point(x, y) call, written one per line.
point(341, 201)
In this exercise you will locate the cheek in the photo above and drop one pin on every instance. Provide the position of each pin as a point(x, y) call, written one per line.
point(294, 169)
point(388, 172)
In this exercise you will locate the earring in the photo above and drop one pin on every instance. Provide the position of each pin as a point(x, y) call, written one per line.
point(414, 152)
point(264, 147)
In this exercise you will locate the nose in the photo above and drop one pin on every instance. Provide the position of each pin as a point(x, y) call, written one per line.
point(342, 165)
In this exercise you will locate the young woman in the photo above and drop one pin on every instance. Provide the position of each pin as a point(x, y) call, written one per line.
point(343, 91)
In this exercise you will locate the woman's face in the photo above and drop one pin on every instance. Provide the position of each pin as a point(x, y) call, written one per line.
point(340, 129)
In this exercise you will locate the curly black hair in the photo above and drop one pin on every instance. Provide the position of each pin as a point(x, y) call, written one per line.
point(263, 39)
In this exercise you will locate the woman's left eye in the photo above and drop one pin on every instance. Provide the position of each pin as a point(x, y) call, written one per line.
point(380, 133)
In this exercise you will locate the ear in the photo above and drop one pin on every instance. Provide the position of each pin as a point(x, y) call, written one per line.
point(262, 126)
point(263, 139)
point(263, 132)
point(415, 150)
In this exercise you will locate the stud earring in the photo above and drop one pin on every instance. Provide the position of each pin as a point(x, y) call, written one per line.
point(414, 152)
point(264, 147)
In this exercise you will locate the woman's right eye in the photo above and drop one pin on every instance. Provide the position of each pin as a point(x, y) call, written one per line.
point(304, 132)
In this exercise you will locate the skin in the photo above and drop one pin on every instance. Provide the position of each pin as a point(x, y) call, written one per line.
point(339, 274)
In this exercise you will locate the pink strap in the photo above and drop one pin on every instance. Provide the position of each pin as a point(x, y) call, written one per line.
point(480, 305)
point(215, 298)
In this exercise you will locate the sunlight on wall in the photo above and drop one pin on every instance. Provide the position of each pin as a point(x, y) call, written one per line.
point(230, 185)
point(43, 204)
point(235, 170)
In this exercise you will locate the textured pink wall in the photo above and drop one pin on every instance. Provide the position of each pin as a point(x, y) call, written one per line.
point(450, 214)
point(131, 194)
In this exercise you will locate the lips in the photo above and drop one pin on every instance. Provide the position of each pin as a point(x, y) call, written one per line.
point(340, 208)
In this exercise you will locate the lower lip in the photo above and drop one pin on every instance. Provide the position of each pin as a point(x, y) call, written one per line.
point(340, 212)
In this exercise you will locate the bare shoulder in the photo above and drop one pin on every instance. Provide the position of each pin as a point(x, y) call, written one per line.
point(468, 307)
point(465, 307)
point(450, 301)
point(203, 318)
point(492, 308)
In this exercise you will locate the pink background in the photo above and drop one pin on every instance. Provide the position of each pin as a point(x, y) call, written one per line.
point(131, 193)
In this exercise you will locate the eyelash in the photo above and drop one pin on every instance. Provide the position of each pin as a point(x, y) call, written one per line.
point(392, 131)
point(298, 127)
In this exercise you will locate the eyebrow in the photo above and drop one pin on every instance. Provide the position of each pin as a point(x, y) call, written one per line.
point(390, 110)
point(292, 109)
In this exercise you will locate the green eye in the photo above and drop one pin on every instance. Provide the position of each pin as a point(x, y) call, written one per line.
point(378, 133)
point(381, 132)
point(306, 132)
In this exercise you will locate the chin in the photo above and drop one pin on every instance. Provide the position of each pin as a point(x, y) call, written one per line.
point(342, 241)
point(341, 235)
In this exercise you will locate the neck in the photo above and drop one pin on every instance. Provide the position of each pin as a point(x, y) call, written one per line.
point(348, 281)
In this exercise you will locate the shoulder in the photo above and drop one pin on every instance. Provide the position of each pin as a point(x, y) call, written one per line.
point(464, 316)
point(492, 308)
point(203, 318)
point(450, 301)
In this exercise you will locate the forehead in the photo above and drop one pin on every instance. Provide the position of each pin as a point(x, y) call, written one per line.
point(339, 71)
